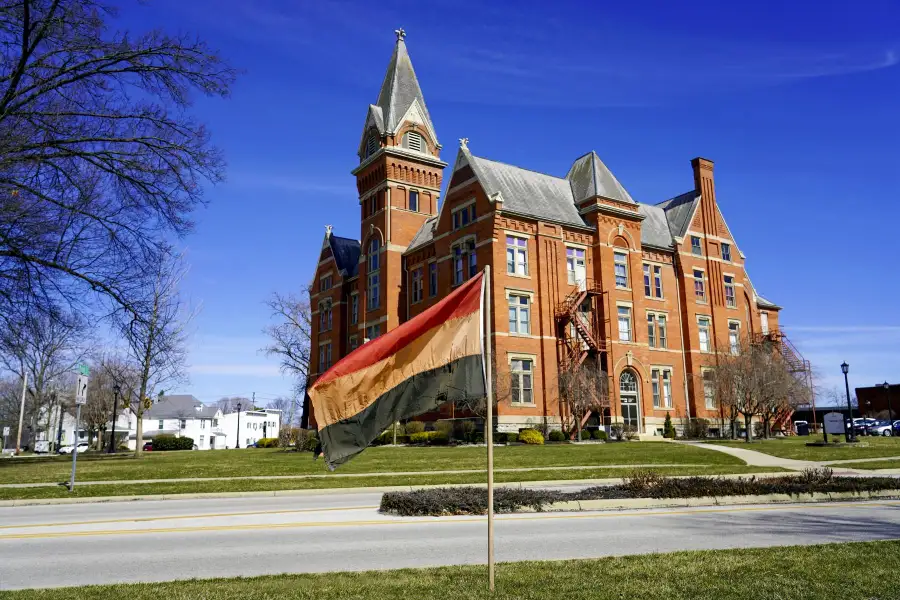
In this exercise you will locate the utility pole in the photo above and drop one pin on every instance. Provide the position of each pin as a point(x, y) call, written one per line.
point(21, 415)
point(253, 402)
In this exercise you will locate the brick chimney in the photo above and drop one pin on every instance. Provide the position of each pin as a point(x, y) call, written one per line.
point(704, 184)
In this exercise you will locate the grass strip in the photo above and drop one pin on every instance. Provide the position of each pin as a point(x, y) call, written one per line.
point(243, 485)
point(852, 571)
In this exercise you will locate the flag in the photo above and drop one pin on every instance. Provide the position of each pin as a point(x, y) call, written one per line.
point(434, 358)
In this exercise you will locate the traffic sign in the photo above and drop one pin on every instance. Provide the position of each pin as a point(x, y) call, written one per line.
point(81, 390)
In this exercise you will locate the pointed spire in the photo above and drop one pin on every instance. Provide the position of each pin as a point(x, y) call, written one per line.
point(400, 89)
point(589, 177)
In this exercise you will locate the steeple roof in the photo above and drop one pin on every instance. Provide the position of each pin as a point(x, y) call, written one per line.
point(400, 91)
point(589, 177)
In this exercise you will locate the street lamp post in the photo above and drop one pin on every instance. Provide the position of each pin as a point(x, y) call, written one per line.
point(867, 415)
point(851, 434)
point(112, 439)
point(887, 391)
point(237, 440)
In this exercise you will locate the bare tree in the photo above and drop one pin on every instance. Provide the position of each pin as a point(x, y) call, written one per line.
point(290, 335)
point(45, 347)
point(477, 405)
point(156, 338)
point(100, 163)
point(584, 388)
point(753, 379)
point(97, 414)
point(229, 404)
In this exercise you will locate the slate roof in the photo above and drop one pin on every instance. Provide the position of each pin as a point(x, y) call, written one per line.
point(764, 303)
point(679, 211)
point(655, 227)
point(589, 177)
point(425, 233)
point(346, 253)
point(399, 90)
point(180, 406)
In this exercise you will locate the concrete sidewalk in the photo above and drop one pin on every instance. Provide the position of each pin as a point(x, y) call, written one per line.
point(757, 459)
point(353, 475)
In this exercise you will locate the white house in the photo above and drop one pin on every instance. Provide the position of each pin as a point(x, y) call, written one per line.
point(250, 426)
point(182, 416)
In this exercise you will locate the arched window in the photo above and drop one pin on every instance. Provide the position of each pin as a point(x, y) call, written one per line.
point(414, 141)
point(371, 145)
point(627, 382)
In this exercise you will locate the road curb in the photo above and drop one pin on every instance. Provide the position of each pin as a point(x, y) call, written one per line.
point(339, 490)
point(648, 503)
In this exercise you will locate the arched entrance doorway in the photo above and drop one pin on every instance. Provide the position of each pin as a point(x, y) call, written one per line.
point(628, 397)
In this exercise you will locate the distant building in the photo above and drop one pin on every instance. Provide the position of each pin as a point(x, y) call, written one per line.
point(647, 293)
point(876, 401)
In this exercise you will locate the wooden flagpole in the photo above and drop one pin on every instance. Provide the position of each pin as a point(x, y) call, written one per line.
point(488, 422)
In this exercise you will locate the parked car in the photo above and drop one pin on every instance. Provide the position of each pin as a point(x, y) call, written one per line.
point(860, 425)
point(81, 447)
point(881, 428)
point(148, 447)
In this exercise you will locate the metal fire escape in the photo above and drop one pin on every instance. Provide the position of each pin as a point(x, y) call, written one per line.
point(799, 368)
point(579, 331)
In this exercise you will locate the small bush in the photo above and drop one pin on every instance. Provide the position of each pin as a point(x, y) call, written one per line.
point(630, 432)
point(698, 428)
point(617, 430)
point(531, 437)
point(267, 443)
point(165, 442)
point(430, 438)
point(668, 428)
point(306, 440)
point(415, 427)
point(499, 437)
point(445, 427)
point(599, 434)
point(557, 436)
point(512, 438)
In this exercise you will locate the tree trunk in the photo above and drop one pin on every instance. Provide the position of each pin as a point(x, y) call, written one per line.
point(767, 429)
point(139, 436)
point(748, 428)
point(578, 427)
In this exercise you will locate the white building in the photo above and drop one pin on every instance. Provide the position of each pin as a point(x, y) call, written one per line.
point(250, 426)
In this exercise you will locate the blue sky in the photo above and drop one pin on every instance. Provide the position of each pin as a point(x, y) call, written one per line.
point(795, 102)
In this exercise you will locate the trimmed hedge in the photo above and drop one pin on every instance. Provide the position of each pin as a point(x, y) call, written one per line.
point(557, 436)
point(165, 442)
point(599, 434)
point(430, 438)
point(639, 484)
point(267, 443)
point(531, 437)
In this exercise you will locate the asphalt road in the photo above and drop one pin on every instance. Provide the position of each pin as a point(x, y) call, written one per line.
point(49, 546)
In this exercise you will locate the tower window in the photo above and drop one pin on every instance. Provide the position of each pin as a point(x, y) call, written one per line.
point(414, 200)
point(371, 145)
point(414, 141)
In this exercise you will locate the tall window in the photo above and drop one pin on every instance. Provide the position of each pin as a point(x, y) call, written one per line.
point(575, 264)
point(519, 314)
point(371, 145)
point(413, 200)
point(516, 255)
point(353, 342)
point(354, 309)
point(709, 390)
point(325, 283)
point(621, 264)
point(647, 283)
point(417, 285)
point(628, 393)
point(183, 423)
point(726, 252)
point(414, 141)
point(656, 330)
point(325, 316)
point(624, 323)
point(160, 424)
point(667, 388)
point(374, 281)
point(654, 385)
point(764, 322)
point(729, 291)
point(703, 326)
point(324, 359)
point(373, 331)
point(695, 246)
point(699, 286)
point(373, 204)
point(464, 256)
point(661, 384)
point(657, 281)
point(734, 337)
point(521, 381)
point(432, 279)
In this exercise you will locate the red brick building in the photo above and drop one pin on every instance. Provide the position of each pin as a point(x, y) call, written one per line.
point(581, 270)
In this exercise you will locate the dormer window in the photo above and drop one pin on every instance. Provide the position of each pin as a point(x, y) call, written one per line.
point(413, 140)
point(371, 145)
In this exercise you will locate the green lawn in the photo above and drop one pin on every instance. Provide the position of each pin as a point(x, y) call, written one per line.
point(859, 571)
point(872, 464)
point(244, 485)
point(795, 447)
point(252, 461)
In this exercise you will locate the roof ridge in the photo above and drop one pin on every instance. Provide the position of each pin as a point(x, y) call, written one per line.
point(676, 197)
point(518, 167)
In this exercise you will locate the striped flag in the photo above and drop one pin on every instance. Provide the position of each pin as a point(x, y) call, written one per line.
point(431, 359)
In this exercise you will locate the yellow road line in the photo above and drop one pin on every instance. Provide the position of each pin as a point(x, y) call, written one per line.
point(175, 517)
point(437, 521)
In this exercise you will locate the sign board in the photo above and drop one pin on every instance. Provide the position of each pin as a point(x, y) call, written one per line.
point(5, 431)
point(81, 390)
point(834, 423)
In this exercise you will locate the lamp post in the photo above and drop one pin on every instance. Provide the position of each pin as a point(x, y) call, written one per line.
point(867, 415)
point(851, 434)
point(237, 440)
point(112, 438)
point(887, 392)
